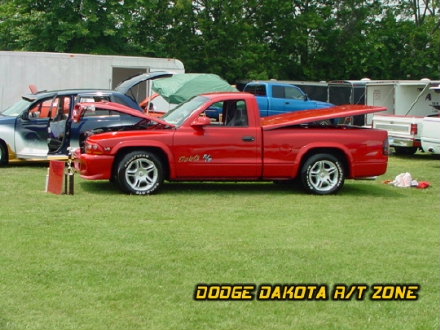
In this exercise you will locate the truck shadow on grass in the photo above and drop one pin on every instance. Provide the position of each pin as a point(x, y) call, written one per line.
point(247, 188)
point(373, 190)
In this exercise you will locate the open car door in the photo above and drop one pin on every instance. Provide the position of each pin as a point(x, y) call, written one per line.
point(65, 133)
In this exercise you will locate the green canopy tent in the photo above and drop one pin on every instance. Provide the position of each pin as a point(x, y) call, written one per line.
point(181, 87)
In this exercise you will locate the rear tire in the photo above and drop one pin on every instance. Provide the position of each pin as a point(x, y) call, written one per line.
point(322, 174)
point(140, 173)
point(4, 157)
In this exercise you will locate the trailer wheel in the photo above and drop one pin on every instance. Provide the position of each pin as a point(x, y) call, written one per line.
point(322, 174)
point(4, 157)
point(407, 151)
point(140, 173)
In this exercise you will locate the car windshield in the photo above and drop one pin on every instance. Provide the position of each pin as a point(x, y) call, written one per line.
point(16, 109)
point(179, 114)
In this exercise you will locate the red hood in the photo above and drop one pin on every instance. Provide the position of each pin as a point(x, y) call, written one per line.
point(307, 116)
point(81, 108)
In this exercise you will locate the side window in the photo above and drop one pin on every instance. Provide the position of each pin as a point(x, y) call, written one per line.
point(55, 108)
point(39, 110)
point(287, 92)
point(101, 112)
point(259, 90)
point(229, 113)
point(293, 93)
point(278, 92)
point(98, 112)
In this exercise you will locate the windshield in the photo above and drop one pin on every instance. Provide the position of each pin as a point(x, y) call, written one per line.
point(16, 109)
point(179, 114)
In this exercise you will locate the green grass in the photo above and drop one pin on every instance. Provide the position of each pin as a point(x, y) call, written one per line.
point(104, 260)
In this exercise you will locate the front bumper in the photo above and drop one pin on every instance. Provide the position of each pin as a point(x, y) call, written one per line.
point(94, 167)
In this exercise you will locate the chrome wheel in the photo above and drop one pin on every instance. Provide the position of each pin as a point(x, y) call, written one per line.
point(140, 172)
point(322, 174)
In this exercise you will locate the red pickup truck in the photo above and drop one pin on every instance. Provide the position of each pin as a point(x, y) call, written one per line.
point(187, 145)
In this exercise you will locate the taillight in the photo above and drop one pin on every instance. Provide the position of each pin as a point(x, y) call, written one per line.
point(386, 147)
point(414, 129)
point(93, 148)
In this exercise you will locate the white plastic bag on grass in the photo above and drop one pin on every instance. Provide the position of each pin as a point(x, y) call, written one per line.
point(403, 180)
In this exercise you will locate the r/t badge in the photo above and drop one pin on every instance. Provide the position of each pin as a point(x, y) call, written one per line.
point(207, 158)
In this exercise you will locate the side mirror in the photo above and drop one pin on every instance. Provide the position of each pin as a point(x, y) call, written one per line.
point(306, 97)
point(200, 122)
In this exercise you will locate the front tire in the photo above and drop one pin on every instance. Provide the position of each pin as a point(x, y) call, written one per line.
point(140, 173)
point(4, 157)
point(322, 174)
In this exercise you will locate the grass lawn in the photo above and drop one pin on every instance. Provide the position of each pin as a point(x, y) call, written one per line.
point(104, 260)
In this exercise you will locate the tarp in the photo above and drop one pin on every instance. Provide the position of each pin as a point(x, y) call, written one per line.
point(181, 87)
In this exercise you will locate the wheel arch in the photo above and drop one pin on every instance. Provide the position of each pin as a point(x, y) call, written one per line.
point(339, 153)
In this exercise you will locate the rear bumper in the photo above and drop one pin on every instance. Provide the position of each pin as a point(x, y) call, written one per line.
point(370, 169)
point(94, 167)
point(403, 142)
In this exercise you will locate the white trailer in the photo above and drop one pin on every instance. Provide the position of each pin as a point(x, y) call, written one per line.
point(53, 71)
point(402, 97)
point(408, 102)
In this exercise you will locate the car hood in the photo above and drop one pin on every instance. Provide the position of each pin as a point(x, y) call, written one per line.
point(81, 108)
point(307, 116)
point(126, 85)
point(6, 119)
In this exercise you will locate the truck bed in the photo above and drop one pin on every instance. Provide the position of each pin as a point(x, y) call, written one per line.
point(404, 132)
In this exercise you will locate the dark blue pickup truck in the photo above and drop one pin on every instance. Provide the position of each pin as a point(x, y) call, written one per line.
point(276, 98)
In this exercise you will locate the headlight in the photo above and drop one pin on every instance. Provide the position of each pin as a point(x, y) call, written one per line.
point(93, 148)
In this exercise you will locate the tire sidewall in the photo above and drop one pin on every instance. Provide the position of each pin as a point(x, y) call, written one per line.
point(127, 160)
point(3, 154)
point(308, 165)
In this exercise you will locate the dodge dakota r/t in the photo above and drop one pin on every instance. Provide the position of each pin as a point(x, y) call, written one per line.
point(187, 145)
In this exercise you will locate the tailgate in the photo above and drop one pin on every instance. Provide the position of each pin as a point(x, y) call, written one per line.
point(399, 126)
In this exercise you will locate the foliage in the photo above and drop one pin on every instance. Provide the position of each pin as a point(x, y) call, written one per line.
point(248, 39)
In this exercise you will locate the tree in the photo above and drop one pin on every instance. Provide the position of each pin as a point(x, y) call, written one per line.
point(248, 39)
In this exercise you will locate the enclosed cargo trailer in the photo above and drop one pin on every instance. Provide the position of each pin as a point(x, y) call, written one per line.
point(54, 71)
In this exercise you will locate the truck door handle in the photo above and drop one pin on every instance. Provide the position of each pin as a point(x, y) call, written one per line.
point(248, 138)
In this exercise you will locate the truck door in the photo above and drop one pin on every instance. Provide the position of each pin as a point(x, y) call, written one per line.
point(31, 128)
point(229, 147)
point(288, 99)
